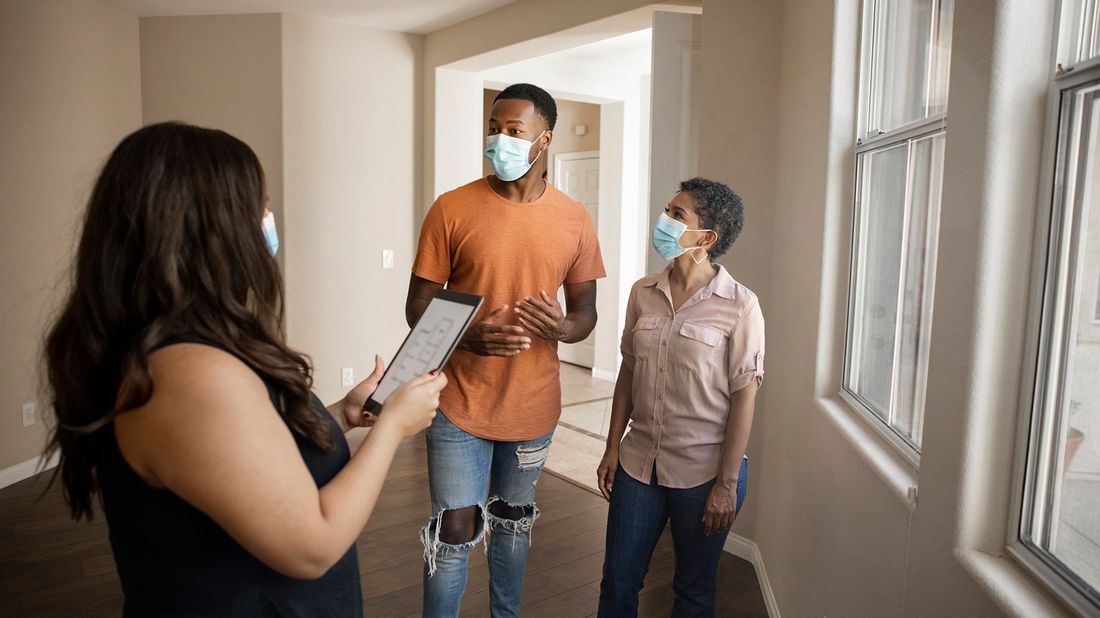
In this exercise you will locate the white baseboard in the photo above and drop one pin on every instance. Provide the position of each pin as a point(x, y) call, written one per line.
point(27, 469)
point(603, 374)
point(748, 550)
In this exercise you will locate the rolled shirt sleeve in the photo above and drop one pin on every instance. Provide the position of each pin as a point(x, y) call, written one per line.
point(746, 349)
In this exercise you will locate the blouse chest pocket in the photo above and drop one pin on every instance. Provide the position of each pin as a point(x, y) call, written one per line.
point(699, 348)
point(646, 332)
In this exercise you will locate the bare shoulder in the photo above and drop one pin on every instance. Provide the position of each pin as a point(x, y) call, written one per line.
point(203, 370)
point(201, 395)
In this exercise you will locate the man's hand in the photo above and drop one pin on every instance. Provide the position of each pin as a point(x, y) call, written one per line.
point(543, 316)
point(721, 508)
point(492, 337)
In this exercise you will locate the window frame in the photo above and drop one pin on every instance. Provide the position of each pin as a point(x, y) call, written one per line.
point(865, 143)
point(1046, 324)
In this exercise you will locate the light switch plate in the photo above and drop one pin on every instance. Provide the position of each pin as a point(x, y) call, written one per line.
point(387, 258)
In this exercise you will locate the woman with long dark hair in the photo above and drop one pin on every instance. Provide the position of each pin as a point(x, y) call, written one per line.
point(227, 486)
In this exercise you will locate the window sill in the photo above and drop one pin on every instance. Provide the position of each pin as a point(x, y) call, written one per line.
point(899, 474)
point(1010, 587)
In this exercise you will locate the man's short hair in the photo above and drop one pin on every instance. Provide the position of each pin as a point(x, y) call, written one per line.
point(543, 102)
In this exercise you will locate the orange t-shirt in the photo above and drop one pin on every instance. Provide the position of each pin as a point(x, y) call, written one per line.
point(478, 242)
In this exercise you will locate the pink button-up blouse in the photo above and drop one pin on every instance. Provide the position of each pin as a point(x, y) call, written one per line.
point(686, 363)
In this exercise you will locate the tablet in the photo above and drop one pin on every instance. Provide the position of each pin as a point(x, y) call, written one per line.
point(430, 343)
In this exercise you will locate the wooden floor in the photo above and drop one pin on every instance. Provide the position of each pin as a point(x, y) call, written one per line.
point(52, 566)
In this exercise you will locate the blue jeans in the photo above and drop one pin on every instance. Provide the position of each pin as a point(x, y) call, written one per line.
point(635, 521)
point(465, 470)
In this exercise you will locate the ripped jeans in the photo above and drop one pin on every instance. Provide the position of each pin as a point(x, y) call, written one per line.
point(465, 470)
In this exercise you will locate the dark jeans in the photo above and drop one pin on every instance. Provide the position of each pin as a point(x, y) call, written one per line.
point(635, 520)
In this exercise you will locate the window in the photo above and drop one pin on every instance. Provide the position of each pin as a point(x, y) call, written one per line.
point(1059, 513)
point(905, 56)
point(1096, 309)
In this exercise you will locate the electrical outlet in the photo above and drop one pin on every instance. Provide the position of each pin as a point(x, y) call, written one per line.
point(28, 414)
point(387, 258)
point(347, 376)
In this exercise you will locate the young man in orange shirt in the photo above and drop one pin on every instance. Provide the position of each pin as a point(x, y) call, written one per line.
point(514, 239)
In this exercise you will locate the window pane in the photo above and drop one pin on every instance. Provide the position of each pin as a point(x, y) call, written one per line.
point(1096, 311)
point(925, 173)
point(909, 59)
point(873, 321)
point(897, 220)
point(1076, 535)
point(1065, 460)
point(1079, 32)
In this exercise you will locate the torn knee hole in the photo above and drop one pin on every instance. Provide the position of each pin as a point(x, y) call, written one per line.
point(504, 510)
point(459, 526)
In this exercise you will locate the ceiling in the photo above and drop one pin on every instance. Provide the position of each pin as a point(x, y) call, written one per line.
point(416, 16)
point(627, 53)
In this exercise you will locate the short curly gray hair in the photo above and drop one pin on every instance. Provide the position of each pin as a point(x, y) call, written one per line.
point(719, 209)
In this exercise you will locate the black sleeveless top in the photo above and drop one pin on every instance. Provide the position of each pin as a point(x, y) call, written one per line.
point(173, 560)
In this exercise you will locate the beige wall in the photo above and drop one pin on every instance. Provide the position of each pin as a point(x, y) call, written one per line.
point(570, 114)
point(331, 111)
point(827, 503)
point(70, 93)
point(351, 136)
point(222, 72)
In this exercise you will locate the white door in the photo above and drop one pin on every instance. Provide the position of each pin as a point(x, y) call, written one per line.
point(674, 112)
point(577, 174)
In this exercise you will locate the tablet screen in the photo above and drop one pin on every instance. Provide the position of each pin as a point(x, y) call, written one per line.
point(431, 341)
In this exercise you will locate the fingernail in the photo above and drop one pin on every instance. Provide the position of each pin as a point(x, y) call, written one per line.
point(433, 372)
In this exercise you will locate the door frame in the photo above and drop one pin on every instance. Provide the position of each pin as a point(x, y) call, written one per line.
point(557, 159)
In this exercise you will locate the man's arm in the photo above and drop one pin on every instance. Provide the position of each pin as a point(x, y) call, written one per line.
point(420, 294)
point(544, 316)
point(580, 307)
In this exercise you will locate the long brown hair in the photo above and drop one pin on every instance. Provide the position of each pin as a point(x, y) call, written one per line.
point(171, 247)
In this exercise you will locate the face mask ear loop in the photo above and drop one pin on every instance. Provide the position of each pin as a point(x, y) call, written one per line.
point(692, 250)
point(539, 154)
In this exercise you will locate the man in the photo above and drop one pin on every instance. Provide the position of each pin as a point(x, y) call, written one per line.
point(514, 239)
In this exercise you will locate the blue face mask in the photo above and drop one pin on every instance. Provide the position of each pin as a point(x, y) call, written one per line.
point(271, 235)
point(666, 238)
point(508, 155)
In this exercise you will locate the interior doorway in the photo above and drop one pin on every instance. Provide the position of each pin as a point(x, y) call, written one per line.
point(609, 66)
point(577, 174)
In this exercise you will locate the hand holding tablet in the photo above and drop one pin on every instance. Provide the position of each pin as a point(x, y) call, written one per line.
point(430, 344)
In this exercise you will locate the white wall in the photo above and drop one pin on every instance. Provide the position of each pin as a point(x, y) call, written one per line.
point(71, 91)
point(351, 137)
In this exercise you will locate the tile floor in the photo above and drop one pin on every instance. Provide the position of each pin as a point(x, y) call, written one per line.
point(579, 438)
